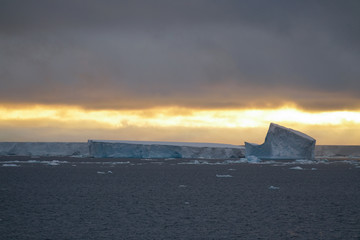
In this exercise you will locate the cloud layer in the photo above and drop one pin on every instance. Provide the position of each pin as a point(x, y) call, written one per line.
point(199, 54)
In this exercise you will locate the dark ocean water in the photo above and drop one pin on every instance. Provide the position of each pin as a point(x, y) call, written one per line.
point(165, 199)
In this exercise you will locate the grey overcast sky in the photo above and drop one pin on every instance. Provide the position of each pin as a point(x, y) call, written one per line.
point(198, 53)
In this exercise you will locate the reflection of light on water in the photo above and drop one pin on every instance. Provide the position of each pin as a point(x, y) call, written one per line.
point(179, 117)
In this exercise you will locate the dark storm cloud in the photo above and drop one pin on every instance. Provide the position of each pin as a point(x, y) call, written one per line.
point(114, 54)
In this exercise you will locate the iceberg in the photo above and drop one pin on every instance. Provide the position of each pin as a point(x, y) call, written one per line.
point(174, 150)
point(282, 143)
point(152, 149)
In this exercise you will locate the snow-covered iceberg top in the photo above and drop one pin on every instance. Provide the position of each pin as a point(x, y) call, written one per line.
point(283, 143)
point(154, 149)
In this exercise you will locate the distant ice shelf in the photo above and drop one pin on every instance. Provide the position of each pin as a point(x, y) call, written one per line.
point(141, 149)
point(79, 149)
point(335, 151)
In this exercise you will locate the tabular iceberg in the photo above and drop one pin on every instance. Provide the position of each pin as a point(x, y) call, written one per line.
point(282, 143)
point(137, 149)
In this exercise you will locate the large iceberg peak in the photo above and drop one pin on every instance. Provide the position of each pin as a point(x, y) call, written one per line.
point(283, 143)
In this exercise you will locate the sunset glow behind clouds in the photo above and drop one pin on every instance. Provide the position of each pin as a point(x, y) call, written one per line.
point(178, 119)
point(204, 70)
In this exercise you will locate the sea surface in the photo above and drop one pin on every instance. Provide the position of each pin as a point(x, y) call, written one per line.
point(86, 198)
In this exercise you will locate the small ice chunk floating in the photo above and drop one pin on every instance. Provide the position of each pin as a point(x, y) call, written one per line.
point(283, 143)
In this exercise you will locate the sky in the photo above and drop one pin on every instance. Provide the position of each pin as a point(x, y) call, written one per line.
point(204, 70)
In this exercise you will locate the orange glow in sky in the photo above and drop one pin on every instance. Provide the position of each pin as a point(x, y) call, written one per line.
point(179, 117)
point(65, 117)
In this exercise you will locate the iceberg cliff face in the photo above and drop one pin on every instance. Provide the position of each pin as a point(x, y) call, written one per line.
point(133, 149)
point(283, 143)
point(44, 149)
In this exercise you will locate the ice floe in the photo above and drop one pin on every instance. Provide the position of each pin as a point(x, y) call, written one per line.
point(253, 159)
point(52, 163)
point(223, 176)
point(101, 172)
point(104, 162)
point(10, 165)
point(296, 168)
